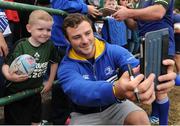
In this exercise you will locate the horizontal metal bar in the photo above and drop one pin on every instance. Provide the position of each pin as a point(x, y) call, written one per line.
point(27, 7)
point(21, 95)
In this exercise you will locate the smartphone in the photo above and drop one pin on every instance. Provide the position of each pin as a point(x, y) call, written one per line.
point(153, 50)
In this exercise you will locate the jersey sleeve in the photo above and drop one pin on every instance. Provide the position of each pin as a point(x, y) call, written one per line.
point(165, 3)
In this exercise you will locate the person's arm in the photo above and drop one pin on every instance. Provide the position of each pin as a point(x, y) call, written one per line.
point(124, 87)
point(154, 12)
point(131, 23)
point(49, 82)
point(93, 11)
point(75, 6)
point(3, 46)
point(82, 91)
point(70, 6)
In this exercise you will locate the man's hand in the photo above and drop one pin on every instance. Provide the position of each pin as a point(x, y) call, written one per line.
point(146, 90)
point(93, 11)
point(125, 88)
point(121, 14)
point(167, 79)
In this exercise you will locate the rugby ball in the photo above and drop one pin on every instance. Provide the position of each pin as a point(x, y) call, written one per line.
point(23, 64)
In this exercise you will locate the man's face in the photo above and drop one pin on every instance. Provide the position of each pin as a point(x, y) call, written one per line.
point(82, 39)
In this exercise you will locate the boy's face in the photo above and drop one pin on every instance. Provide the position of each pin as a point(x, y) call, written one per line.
point(110, 4)
point(82, 39)
point(40, 31)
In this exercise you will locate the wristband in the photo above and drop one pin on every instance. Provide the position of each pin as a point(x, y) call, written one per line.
point(118, 99)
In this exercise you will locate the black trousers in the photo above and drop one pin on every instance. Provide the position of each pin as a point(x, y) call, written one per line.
point(61, 107)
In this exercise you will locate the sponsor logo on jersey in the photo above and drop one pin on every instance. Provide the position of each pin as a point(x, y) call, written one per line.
point(36, 56)
point(108, 70)
point(86, 77)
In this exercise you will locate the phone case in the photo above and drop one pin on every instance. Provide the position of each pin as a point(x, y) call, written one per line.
point(154, 49)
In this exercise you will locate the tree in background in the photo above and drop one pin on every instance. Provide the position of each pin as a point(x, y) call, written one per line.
point(177, 4)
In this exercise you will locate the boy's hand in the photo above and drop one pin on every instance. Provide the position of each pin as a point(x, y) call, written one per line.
point(47, 87)
point(16, 78)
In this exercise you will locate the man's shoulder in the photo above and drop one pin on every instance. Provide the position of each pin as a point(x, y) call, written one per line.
point(165, 3)
point(68, 64)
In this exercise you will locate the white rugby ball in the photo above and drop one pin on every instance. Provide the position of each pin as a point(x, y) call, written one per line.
point(23, 64)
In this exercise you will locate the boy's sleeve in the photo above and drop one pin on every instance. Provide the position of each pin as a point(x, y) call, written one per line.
point(54, 58)
point(16, 51)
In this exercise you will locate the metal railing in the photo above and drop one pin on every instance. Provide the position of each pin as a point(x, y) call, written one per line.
point(27, 7)
point(20, 95)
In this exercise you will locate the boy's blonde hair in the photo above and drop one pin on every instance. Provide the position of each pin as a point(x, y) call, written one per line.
point(39, 15)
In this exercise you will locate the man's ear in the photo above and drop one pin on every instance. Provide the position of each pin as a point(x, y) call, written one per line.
point(66, 37)
point(28, 27)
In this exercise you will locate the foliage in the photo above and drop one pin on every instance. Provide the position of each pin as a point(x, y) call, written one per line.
point(177, 4)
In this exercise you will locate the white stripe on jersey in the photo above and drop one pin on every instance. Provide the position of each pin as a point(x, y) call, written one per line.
point(3, 22)
point(4, 26)
point(112, 79)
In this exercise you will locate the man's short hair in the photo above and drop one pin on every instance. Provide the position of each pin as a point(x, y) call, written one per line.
point(73, 21)
point(39, 15)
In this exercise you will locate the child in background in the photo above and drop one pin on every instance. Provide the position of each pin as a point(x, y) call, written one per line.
point(114, 31)
point(28, 111)
point(110, 4)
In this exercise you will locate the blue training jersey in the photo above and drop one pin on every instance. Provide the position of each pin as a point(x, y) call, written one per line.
point(70, 6)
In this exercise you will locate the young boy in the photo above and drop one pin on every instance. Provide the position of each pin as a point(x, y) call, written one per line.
point(110, 4)
point(38, 45)
point(114, 31)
